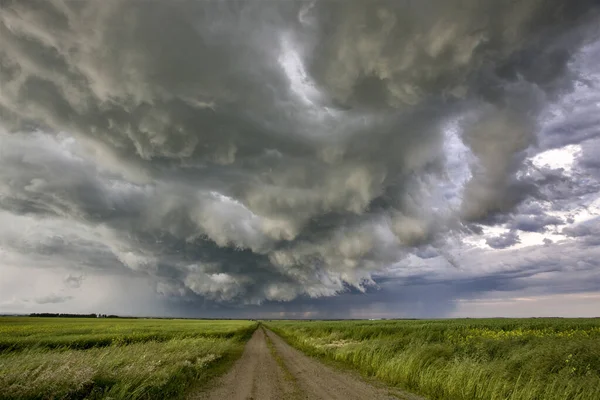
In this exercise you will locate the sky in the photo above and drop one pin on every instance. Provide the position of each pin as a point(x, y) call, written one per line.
point(300, 159)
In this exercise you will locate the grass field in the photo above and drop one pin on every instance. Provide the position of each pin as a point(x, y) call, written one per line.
point(543, 359)
point(73, 358)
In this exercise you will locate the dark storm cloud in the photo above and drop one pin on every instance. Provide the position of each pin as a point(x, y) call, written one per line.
point(589, 160)
point(568, 267)
point(588, 231)
point(504, 240)
point(533, 272)
point(534, 223)
point(244, 152)
point(73, 281)
point(52, 299)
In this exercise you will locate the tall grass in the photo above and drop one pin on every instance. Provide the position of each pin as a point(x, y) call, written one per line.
point(79, 333)
point(117, 359)
point(463, 359)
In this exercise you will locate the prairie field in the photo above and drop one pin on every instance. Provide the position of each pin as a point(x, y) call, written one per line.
point(516, 359)
point(77, 358)
point(86, 358)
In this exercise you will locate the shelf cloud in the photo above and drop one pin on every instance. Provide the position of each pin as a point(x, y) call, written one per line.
point(245, 153)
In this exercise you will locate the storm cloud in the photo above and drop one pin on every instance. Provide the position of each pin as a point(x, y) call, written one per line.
point(251, 152)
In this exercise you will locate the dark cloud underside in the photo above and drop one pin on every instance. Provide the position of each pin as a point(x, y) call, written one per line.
point(248, 151)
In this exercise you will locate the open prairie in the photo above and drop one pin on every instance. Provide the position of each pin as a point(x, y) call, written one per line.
point(77, 358)
point(462, 359)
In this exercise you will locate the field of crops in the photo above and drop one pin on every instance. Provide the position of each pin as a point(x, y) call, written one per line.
point(76, 358)
point(517, 359)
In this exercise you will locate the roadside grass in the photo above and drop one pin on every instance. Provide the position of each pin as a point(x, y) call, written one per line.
point(134, 359)
point(463, 359)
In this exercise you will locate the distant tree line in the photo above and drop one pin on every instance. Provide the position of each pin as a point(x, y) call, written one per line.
point(63, 315)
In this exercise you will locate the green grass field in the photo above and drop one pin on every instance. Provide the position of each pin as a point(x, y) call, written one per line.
point(542, 359)
point(73, 358)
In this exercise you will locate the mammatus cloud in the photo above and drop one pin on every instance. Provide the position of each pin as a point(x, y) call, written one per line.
point(252, 152)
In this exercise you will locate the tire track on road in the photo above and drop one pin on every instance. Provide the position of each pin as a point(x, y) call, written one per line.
point(271, 369)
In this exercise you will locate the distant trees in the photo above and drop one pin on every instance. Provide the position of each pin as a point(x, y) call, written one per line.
point(67, 315)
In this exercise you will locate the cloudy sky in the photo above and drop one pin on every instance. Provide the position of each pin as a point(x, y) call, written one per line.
point(434, 158)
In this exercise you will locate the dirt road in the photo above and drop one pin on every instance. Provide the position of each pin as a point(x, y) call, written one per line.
point(272, 369)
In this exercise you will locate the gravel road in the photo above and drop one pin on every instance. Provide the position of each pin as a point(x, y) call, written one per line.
point(271, 369)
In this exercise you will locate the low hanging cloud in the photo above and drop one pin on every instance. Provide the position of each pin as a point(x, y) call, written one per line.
point(52, 299)
point(504, 240)
point(73, 281)
point(251, 152)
